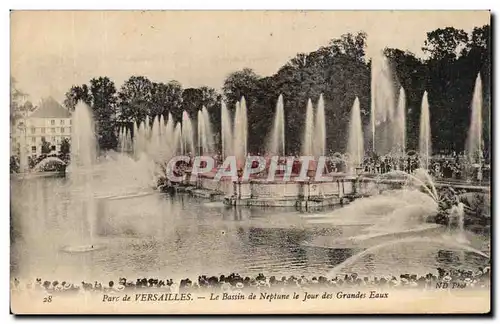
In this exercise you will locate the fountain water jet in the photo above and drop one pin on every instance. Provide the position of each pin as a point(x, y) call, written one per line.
point(155, 135)
point(475, 136)
point(201, 133)
point(428, 185)
point(178, 143)
point(400, 127)
point(277, 145)
point(382, 105)
point(208, 133)
point(187, 134)
point(168, 142)
point(226, 131)
point(240, 132)
point(205, 136)
point(307, 142)
point(319, 128)
point(83, 159)
point(336, 270)
point(425, 148)
point(355, 145)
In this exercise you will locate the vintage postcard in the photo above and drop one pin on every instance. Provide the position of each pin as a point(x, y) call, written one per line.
point(250, 162)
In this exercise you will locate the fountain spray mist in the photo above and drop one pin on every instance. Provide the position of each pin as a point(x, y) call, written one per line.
point(187, 134)
point(355, 145)
point(382, 105)
point(425, 148)
point(226, 131)
point(320, 129)
point(178, 147)
point(83, 159)
point(201, 133)
point(400, 127)
point(277, 145)
point(240, 132)
point(308, 130)
point(475, 136)
point(208, 132)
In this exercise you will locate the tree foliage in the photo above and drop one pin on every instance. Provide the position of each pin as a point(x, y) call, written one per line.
point(19, 107)
point(340, 71)
point(45, 146)
point(65, 146)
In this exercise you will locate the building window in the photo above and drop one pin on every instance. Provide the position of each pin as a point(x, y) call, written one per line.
point(52, 122)
point(70, 121)
point(62, 121)
point(53, 148)
point(52, 130)
point(62, 129)
point(43, 130)
point(33, 149)
point(33, 139)
point(43, 138)
point(33, 130)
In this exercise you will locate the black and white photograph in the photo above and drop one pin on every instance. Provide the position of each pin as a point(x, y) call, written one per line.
point(250, 162)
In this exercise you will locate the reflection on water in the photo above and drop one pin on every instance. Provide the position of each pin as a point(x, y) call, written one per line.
point(157, 235)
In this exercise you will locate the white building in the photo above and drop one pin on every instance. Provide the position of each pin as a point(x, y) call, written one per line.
point(50, 122)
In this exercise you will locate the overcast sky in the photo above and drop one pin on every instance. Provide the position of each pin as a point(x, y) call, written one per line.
point(50, 51)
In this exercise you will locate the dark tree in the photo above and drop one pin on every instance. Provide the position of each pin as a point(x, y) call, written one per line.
point(103, 94)
point(65, 146)
point(75, 94)
point(166, 98)
point(445, 43)
point(45, 146)
point(134, 99)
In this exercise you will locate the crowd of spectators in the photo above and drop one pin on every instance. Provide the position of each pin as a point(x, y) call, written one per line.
point(478, 278)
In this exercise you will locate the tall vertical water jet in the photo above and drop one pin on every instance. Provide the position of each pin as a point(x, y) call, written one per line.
point(425, 148)
point(244, 126)
point(83, 158)
point(382, 105)
point(187, 134)
point(168, 140)
point(355, 145)
point(142, 140)
point(136, 140)
point(83, 143)
point(121, 138)
point(240, 133)
point(307, 141)
point(277, 145)
point(226, 131)
point(178, 144)
point(475, 136)
point(161, 137)
point(201, 133)
point(320, 129)
point(155, 136)
point(237, 131)
point(208, 132)
point(147, 127)
point(161, 121)
point(128, 140)
point(400, 124)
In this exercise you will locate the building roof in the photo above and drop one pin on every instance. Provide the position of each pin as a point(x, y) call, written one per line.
point(50, 108)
